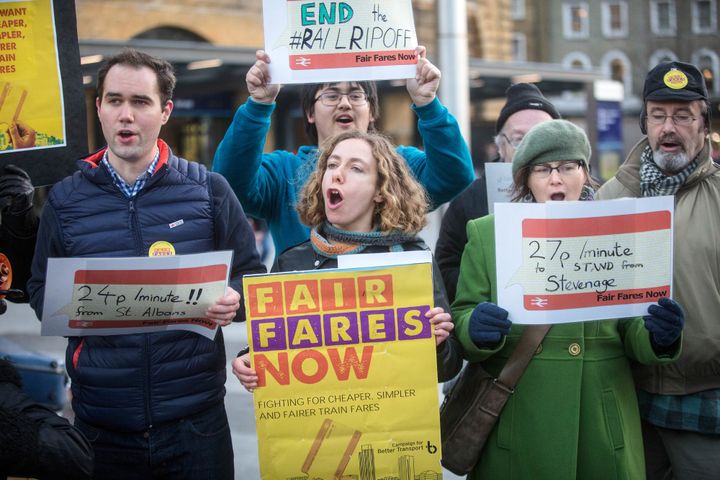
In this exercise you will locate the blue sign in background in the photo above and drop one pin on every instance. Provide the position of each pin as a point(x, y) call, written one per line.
point(609, 137)
point(609, 125)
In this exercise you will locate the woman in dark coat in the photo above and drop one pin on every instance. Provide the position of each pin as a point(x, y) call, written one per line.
point(362, 198)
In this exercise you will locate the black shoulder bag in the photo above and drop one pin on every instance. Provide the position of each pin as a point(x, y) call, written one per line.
point(472, 407)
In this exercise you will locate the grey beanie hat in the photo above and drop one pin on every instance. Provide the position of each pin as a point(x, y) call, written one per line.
point(552, 141)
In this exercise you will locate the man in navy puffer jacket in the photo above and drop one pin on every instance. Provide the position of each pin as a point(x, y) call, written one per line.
point(151, 404)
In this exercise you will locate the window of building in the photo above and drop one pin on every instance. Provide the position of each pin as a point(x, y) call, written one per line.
point(519, 47)
point(617, 66)
point(661, 56)
point(704, 16)
point(617, 70)
point(577, 61)
point(575, 20)
point(517, 9)
point(615, 19)
point(709, 64)
point(662, 17)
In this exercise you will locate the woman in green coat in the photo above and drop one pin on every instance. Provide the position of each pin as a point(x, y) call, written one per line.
point(574, 413)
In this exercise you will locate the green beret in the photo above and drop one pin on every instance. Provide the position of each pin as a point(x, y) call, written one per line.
point(552, 141)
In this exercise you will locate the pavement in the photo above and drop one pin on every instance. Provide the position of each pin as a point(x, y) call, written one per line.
point(20, 325)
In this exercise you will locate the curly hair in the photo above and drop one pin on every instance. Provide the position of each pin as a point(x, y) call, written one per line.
point(404, 201)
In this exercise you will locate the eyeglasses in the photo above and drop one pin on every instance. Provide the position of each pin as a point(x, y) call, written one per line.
point(682, 119)
point(515, 141)
point(332, 99)
point(565, 169)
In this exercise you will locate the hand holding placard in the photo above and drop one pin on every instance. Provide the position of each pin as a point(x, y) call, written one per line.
point(665, 322)
point(258, 80)
point(488, 325)
point(424, 86)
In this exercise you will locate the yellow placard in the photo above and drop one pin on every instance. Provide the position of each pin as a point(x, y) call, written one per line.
point(347, 372)
point(30, 86)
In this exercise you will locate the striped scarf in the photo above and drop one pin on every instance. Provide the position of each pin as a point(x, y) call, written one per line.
point(330, 242)
point(654, 183)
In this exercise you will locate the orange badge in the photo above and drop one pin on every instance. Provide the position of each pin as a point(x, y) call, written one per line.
point(5, 273)
point(161, 248)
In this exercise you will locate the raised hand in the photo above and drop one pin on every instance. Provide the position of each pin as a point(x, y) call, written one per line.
point(423, 87)
point(258, 80)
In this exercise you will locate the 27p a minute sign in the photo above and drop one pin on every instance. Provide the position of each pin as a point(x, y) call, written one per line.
point(583, 260)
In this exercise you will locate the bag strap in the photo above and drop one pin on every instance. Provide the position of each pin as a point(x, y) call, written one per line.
point(520, 358)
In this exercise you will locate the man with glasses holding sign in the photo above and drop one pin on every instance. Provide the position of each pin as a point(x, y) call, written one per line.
point(268, 184)
point(679, 402)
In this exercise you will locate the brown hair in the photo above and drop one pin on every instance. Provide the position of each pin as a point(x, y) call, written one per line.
point(134, 58)
point(404, 201)
point(309, 94)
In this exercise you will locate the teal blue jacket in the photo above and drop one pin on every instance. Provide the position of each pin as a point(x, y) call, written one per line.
point(268, 184)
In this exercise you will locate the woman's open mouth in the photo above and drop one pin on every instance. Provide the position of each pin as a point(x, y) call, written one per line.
point(557, 197)
point(334, 197)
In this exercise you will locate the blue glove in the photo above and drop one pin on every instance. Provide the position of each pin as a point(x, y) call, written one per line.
point(488, 324)
point(665, 322)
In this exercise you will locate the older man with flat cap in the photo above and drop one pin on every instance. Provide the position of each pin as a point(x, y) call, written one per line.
point(680, 402)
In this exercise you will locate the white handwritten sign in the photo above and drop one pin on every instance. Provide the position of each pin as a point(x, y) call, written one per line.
point(329, 41)
point(114, 296)
point(574, 261)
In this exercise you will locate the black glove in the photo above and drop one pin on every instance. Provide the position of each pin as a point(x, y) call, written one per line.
point(665, 322)
point(488, 324)
point(16, 191)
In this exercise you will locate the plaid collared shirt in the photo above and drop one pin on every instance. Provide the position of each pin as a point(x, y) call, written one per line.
point(697, 412)
point(131, 190)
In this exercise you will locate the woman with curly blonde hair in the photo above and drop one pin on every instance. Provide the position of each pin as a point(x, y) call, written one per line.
point(402, 201)
point(362, 198)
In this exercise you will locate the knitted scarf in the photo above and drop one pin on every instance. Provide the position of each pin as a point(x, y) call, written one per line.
point(654, 183)
point(587, 194)
point(330, 242)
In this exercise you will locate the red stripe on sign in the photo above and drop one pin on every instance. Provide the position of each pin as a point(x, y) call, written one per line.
point(586, 227)
point(94, 324)
point(176, 276)
point(350, 60)
point(565, 301)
